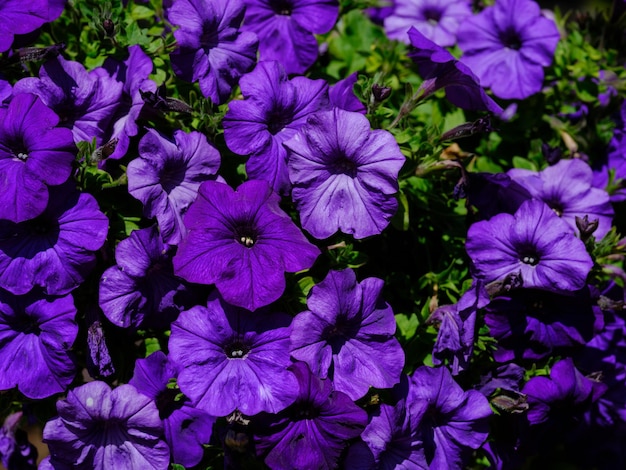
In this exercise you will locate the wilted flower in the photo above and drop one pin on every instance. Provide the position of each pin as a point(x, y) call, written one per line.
point(507, 46)
point(242, 242)
point(344, 174)
point(211, 49)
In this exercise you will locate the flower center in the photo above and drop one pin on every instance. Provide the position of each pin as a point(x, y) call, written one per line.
point(27, 325)
point(511, 39)
point(19, 150)
point(171, 176)
point(277, 120)
point(530, 258)
point(282, 7)
point(557, 207)
point(344, 166)
point(432, 15)
point(237, 350)
point(304, 410)
point(209, 38)
point(246, 235)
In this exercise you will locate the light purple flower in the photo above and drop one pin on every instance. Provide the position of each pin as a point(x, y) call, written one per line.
point(36, 335)
point(344, 174)
point(242, 242)
point(238, 356)
point(508, 45)
point(141, 290)
point(186, 428)
point(167, 175)
point(347, 335)
point(438, 20)
point(34, 154)
point(84, 101)
point(533, 242)
point(567, 188)
point(311, 433)
point(55, 250)
point(100, 429)
point(286, 29)
point(275, 107)
point(211, 49)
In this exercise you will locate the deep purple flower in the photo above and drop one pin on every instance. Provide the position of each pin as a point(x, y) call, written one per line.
point(286, 29)
point(133, 73)
point(55, 250)
point(238, 356)
point(34, 154)
point(347, 334)
point(242, 242)
point(341, 95)
point(508, 45)
point(141, 290)
point(440, 70)
point(533, 242)
point(567, 188)
point(99, 428)
point(530, 324)
point(15, 450)
point(493, 193)
point(186, 428)
point(18, 17)
point(84, 101)
point(615, 164)
point(454, 420)
point(6, 90)
point(36, 335)
point(167, 175)
point(438, 20)
point(274, 109)
point(211, 49)
point(311, 433)
point(344, 174)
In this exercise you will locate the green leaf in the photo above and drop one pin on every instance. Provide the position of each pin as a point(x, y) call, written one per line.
point(407, 325)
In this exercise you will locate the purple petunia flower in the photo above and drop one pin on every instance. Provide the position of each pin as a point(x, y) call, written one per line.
point(167, 175)
point(242, 242)
point(141, 290)
point(36, 335)
point(344, 174)
point(508, 45)
point(341, 95)
point(186, 428)
point(567, 188)
point(286, 29)
point(15, 450)
point(438, 20)
point(99, 428)
point(615, 164)
point(440, 70)
point(84, 101)
point(18, 17)
point(233, 354)
point(347, 335)
point(55, 250)
point(212, 50)
point(534, 243)
point(133, 73)
point(33, 155)
point(454, 420)
point(274, 109)
point(312, 432)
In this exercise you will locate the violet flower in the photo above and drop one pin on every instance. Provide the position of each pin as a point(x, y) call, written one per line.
point(286, 29)
point(34, 154)
point(55, 250)
point(99, 428)
point(437, 20)
point(347, 335)
point(454, 421)
point(440, 70)
point(167, 175)
point(36, 335)
point(186, 428)
point(15, 450)
point(238, 356)
point(507, 46)
point(84, 101)
point(211, 49)
point(341, 95)
point(567, 188)
point(18, 17)
point(534, 243)
point(242, 242)
point(141, 290)
point(275, 107)
point(311, 433)
point(344, 175)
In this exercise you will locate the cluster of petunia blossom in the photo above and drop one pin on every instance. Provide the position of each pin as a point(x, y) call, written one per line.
point(237, 371)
